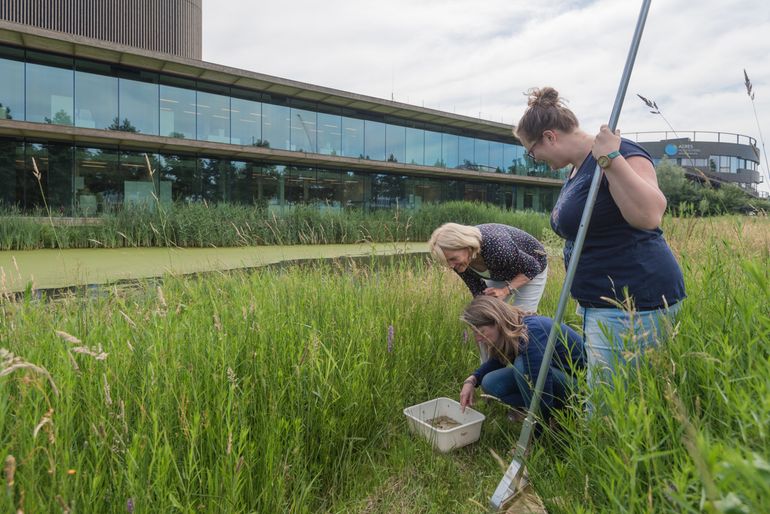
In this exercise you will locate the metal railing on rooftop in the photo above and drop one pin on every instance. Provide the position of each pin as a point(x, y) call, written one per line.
point(692, 135)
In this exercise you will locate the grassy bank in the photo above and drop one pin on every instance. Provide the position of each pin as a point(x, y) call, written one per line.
point(223, 225)
point(279, 392)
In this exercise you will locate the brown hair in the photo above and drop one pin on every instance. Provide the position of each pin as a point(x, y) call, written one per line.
point(488, 310)
point(545, 111)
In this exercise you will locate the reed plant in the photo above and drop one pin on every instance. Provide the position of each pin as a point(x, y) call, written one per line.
point(282, 391)
point(227, 225)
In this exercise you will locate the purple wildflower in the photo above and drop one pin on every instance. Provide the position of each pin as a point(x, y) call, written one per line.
point(391, 333)
point(465, 336)
point(130, 505)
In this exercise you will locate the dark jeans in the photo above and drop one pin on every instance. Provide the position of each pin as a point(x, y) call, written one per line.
point(510, 385)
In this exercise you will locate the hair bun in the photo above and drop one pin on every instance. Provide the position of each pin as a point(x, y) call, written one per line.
point(543, 97)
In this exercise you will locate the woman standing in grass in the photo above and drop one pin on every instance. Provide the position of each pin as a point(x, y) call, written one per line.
point(516, 341)
point(627, 281)
point(494, 260)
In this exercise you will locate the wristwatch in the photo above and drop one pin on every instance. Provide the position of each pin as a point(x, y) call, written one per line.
point(604, 160)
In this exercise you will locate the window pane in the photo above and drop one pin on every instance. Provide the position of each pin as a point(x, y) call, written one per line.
point(137, 186)
point(374, 140)
point(466, 158)
point(303, 130)
point(297, 185)
point(97, 187)
point(387, 191)
point(513, 157)
point(496, 156)
point(139, 104)
point(481, 153)
point(430, 191)
point(213, 117)
point(395, 143)
point(181, 172)
point(415, 146)
point(216, 179)
point(329, 134)
point(327, 191)
point(450, 150)
point(13, 176)
point(177, 112)
point(245, 183)
point(49, 90)
point(272, 187)
point(95, 182)
point(246, 122)
point(12, 89)
point(433, 149)
point(275, 126)
point(352, 137)
point(55, 163)
point(475, 192)
point(351, 192)
point(96, 97)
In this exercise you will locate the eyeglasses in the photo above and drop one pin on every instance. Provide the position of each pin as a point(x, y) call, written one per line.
point(529, 152)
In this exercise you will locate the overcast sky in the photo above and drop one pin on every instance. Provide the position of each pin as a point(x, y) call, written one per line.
point(478, 57)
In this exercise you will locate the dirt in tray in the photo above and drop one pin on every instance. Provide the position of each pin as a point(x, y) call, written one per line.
point(443, 423)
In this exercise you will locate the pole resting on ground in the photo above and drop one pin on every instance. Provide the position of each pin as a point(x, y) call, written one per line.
point(514, 480)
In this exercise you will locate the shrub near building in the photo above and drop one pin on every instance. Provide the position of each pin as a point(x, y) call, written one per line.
point(687, 196)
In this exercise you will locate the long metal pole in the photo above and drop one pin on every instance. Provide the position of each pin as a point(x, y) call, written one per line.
point(507, 487)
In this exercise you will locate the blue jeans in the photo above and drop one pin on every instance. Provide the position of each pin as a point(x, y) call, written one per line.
point(511, 386)
point(615, 337)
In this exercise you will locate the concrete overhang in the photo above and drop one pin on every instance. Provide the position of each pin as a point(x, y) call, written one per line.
point(81, 47)
point(40, 132)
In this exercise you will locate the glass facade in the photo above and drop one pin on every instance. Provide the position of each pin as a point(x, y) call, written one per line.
point(84, 181)
point(51, 89)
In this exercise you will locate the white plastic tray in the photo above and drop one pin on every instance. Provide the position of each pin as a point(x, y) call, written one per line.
point(444, 440)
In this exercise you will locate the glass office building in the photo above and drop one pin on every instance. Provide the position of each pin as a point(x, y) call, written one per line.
point(716, 157)
point(96, 126)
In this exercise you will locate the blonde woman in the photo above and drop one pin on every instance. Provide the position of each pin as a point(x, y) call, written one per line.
point(494, 260)
point(515, 342)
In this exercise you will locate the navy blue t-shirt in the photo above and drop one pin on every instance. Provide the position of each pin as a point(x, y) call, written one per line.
point(616, 256)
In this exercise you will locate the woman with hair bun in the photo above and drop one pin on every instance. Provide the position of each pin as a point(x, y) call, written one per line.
point(628, 283)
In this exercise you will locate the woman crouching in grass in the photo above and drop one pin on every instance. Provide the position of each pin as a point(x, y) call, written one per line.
point(515, 341)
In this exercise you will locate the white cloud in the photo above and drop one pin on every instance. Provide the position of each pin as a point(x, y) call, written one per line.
point(477, 58)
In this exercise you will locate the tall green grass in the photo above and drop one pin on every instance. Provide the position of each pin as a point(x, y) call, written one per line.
point(267, 392)
point(275, 392)
point(688, 432)
point(226, 225)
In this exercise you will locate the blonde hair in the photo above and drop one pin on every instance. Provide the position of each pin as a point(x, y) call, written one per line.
point(509, 320)
point(453, 236)
point(545, 111)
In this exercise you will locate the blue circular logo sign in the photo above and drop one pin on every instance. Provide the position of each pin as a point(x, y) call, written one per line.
point(671, 149)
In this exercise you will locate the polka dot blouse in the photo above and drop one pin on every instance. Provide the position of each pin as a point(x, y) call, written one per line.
point(507, 252)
